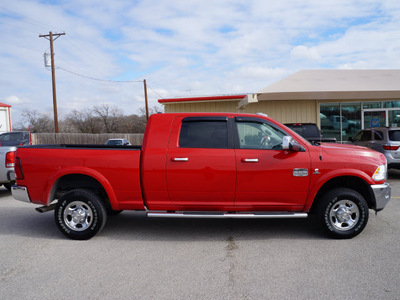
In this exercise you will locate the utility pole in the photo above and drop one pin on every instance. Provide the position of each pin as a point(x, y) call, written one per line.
point(145, 99)
point(51, 38)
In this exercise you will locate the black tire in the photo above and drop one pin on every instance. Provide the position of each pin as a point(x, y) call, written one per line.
point(80, 214)
point(8, 185)
point(342, 213)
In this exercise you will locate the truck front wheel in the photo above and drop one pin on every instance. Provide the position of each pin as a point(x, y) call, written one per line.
point(342, 213)
point(80, 214)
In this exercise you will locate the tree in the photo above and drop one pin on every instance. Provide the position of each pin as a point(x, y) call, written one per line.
point(39, 122)
point(84, 121)
point(152, 110)
point(110, 116)
point(101, 118)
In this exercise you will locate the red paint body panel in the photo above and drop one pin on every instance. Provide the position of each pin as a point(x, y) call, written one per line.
point(164, 176)
point(206, 179)
point(269, 184)
point(116, 170)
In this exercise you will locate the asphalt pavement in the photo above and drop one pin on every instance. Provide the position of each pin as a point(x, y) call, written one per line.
point(135, 257)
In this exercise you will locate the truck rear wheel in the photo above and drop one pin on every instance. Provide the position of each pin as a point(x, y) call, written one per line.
point(342, 213)
point(80, 214)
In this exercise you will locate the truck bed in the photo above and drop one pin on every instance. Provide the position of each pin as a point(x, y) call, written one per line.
point(116, 168)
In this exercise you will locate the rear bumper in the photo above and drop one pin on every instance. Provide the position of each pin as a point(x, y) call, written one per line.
point(11, 175)
point(20, 193)
point(382, 194)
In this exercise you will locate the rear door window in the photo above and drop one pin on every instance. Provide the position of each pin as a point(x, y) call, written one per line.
point(204, 134)
point(378, 135)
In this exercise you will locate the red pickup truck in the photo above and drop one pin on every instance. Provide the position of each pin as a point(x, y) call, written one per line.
point(205, 165)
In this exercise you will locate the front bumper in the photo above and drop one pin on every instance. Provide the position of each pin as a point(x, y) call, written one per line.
point(20, 193)
point(382, 194)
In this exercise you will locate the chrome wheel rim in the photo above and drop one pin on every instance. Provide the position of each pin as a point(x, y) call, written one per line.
point(78, 216)
point(344, 215)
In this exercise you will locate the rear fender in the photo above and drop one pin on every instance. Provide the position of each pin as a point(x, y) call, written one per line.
point(51, 184)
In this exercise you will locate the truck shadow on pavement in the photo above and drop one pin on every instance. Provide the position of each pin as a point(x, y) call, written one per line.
point(393, 174)
point(130, 225)
point(137, 227)
point(4, 192)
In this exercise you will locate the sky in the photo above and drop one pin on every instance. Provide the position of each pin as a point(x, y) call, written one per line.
point(183, 48)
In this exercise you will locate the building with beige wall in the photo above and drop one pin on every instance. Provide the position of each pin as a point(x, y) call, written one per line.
point(339, 101)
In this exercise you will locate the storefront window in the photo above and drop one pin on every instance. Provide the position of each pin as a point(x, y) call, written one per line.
point(340, 121)
point(351, 119)
point(330, 122)
point(390, 104)
point(369, 105)
point(374, 119)
point(394, 118)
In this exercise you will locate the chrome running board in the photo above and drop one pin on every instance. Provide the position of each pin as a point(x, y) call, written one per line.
point(225, 215)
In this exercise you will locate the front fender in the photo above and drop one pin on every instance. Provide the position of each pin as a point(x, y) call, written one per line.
point(319, 180)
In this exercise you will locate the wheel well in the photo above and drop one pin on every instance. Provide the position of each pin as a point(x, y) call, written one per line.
point(355, 183)
point(78, 181)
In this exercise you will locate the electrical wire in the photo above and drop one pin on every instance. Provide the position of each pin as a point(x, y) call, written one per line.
point(154, 91)
point(97, 79)
point(107, 80)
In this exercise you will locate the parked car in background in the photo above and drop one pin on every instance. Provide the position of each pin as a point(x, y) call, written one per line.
point(120, 142)
point(333, 122)
point(382, 139)
point(14, 138)
point(9, 141)
point(310, 132)
point(7, 159)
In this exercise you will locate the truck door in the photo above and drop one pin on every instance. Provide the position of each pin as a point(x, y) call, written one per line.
point(267, 176)
point(201, 167)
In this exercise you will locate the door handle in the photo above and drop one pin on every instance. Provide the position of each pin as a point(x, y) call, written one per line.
point(181, 159)
point(250, 160)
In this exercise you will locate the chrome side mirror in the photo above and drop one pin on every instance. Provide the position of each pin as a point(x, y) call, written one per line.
point(286, 142)
point(289, 144)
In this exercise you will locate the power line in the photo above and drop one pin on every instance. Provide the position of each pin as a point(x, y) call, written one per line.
point(117, 81)
point(19, 46)
point(23, 18)
point(108, 80)
point(98, 79)
point(155, 92)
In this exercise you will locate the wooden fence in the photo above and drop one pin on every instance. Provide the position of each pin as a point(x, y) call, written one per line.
point(84, 138)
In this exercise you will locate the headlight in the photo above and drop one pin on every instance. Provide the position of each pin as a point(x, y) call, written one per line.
point(380, 173)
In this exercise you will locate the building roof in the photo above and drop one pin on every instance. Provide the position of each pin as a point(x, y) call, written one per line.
point(4, 105)
point(335, 84)
point(332, 85)
point(202, 99)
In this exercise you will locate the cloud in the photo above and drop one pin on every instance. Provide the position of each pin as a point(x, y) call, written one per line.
point(14, 100)
point(304, 52)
